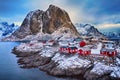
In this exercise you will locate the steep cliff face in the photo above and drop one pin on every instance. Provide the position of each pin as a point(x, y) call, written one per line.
point(48, 21)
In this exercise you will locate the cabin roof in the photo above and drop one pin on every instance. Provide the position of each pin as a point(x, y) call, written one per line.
point(64, 46)
point(110, 50)
point(73, 47)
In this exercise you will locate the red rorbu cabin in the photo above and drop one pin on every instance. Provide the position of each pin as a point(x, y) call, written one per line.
point(103, 52)
point(84, 52)
point(108, 52)
point(72, 50)
point(111, 53)
point(66, 49)
point(82, 43)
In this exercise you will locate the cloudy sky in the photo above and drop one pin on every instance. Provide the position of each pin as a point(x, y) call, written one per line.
point(102, 13)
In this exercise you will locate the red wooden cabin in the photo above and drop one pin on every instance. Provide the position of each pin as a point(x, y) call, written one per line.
point(84, 52)
point(72, 50)
point(111, 53)
point(108, 52)
point(82, 43)
point(66, 49)
point(103, 52)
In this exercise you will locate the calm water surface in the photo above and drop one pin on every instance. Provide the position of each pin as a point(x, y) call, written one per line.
point(10, 70)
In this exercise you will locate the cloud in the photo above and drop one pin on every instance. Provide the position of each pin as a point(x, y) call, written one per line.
point(80, 11)
point(17, 23)
point(63, 4)
point(105, 26)
point(108, 22)
point(98, 12)
point(75, 12)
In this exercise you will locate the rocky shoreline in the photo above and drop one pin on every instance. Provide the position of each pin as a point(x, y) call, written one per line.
point(50, 64)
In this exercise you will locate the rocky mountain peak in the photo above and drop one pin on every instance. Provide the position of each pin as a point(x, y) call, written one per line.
point(48, 21)
point(88, 30)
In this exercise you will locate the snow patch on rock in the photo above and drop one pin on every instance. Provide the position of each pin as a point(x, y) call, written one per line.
point(24, 47)
point(48, 52)
point(116, 72)
point(70, 62)
point(101, 69)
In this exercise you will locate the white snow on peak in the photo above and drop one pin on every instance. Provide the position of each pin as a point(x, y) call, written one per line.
point(30, 15)
point(81, 30)
point(64, 33)
point(48, 13)
point(6, 29)
point(88, 26)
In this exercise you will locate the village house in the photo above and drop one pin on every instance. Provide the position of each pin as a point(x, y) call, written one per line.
point(66, 49)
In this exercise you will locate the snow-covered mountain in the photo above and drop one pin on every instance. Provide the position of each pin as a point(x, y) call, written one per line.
point(7, 29)
point(45, 22)
point(111, 35)
point(87, 30)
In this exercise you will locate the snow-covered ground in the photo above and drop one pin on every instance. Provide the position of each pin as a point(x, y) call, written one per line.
point(102, 69)
point(48, 51)
point(25, 47)
point(64, 33)
point(97, 51)
point(70, 62)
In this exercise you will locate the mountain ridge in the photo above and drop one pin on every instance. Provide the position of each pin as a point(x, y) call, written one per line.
point(7, 29)
point(88, 30)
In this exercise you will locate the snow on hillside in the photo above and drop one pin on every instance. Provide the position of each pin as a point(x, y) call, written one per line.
point(112, 34)
point(7, 29)
point(70, 62)
point(81, 29)
point(88, 30)
point(60, 34)
point(63, 33)
point(24, 47)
